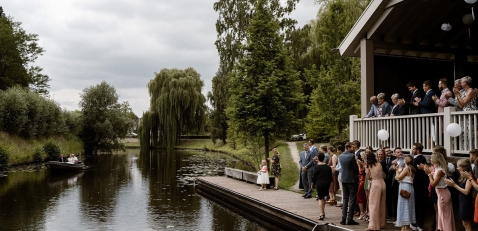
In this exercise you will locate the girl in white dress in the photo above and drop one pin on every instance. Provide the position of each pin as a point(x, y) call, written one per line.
point(263, 176)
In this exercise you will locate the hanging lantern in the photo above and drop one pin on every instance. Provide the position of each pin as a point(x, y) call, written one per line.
point(468, 19)
point(446, 26)
point(470, 1)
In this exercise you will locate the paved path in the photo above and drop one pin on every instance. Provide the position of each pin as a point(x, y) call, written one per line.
point(295, 156)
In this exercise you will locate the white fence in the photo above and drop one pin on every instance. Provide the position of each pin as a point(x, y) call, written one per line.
point(427, 129)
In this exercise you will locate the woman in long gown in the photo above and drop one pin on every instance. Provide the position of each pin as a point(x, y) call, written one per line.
point(361, 196)
point(377, 192)
point(334, 186)
point(406, 206)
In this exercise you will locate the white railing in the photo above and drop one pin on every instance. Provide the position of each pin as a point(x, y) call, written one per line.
point(427, 129)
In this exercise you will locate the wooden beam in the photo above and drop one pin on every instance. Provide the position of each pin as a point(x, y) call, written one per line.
point(418, 22)
point(419, 48)
point(393, 3)
point(379, 22)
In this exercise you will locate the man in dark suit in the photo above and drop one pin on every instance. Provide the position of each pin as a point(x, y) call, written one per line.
point(420, 185)
point(349, 178)
point(62, 159)
point(398, 109)
point(309, 167)
point(413, 109)
point(427, 105)
point(303, 175)
point(356, 149)
point(388, 182)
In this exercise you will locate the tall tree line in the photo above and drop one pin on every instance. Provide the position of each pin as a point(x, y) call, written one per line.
point(234, 19)
point(329, 82)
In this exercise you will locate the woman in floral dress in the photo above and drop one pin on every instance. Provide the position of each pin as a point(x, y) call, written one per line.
point(276, 167)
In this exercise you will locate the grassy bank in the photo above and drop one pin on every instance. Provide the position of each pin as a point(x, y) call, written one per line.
point(289, 168)
point(22, 151)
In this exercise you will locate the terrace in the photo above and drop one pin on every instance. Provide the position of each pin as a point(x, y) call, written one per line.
point(399, 41)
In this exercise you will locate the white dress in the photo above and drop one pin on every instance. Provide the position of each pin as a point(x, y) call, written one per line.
point(263, 176)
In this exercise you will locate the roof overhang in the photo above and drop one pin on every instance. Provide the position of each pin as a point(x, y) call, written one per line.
point(412, 28)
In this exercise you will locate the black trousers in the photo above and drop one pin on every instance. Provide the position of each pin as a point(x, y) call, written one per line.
point(421, 203)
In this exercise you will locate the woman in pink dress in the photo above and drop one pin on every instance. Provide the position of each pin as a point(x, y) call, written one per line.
point(445, 209)
point(334, 186)
point(377, 190)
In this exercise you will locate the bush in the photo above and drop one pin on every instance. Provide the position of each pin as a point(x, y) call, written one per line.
point(38, 155)
point(4, 158)
point(52, 150)
point(340, 139)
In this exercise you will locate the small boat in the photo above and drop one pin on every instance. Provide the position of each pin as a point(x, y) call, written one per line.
point(62, 166)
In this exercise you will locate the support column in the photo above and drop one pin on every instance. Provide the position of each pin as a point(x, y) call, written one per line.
point(367, 75)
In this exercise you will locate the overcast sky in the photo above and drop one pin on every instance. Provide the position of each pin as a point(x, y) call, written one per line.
point(123, 42)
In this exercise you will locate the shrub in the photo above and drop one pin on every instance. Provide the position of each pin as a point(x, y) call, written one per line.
point(38, 155)
point(52, 150)
point(4, 158)
point(340, 139)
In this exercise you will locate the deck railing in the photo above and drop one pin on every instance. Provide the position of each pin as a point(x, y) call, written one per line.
point(427, 129)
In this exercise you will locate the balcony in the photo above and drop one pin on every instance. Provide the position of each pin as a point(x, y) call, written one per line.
point(427, 129)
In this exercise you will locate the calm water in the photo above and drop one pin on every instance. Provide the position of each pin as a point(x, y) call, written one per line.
point(121, 192)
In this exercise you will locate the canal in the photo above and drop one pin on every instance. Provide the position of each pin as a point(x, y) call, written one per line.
point(123, 191)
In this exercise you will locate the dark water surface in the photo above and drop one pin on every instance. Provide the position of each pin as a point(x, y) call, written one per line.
point(121, 192)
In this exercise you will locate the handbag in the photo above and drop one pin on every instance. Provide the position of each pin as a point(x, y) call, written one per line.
point(367, 184)
point(404, 193)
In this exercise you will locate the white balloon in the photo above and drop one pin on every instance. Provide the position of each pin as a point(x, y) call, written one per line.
point(383, 135)
point(453, 129)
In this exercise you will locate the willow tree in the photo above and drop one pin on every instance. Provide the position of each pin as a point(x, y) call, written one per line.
point(234, 18)
point(336, 83)
point(265, 90)
point(180, 106)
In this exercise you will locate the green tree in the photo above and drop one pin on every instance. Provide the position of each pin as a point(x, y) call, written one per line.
point(265, 90)
point(103, 121)
point(18, 51)
point(234, 18)
point(336, 83)
point(179, 105)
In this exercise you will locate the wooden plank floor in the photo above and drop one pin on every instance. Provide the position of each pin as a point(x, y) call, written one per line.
point(289, 201)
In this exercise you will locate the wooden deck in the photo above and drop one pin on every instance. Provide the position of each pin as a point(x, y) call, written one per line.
point(288, 201)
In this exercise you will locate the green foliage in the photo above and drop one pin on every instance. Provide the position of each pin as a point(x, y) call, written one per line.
point(38, 155)
point(103, 121)
point(336, 83)
point(29, 115)
point(231, 26)
point(341, 138)
point(52, 149)
point(4, 158)
point(265, 91)
point(179, 105)
point(18, 50)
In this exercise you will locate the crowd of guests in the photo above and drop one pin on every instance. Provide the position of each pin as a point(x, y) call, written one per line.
point(403, 187)
point(462, 96)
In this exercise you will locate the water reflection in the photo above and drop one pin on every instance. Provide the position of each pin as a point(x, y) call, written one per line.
point(124, 191)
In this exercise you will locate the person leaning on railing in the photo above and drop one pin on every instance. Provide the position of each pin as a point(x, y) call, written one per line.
point(373, 108)
point(384, 109)
point(453, 100)
point(398, 109)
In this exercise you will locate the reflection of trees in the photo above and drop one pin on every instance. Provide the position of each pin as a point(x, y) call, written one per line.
point(102, 184)
point(168, 200)
point(24, 200)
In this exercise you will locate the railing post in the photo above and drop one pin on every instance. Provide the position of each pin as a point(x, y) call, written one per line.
point(447, 119)
point(352, 127)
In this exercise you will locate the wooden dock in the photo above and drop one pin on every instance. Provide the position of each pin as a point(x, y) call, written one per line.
point(286, 208)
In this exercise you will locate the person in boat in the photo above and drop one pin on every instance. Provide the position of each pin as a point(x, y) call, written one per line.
point(62, 159)
point(72, 159)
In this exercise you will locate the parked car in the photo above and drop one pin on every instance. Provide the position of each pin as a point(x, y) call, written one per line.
point(301, 136)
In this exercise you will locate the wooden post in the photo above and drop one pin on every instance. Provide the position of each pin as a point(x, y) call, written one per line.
point(367, 75)
point(352, 127)
point(447, 139)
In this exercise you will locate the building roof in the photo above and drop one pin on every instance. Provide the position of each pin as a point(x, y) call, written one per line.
point(412, 28)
